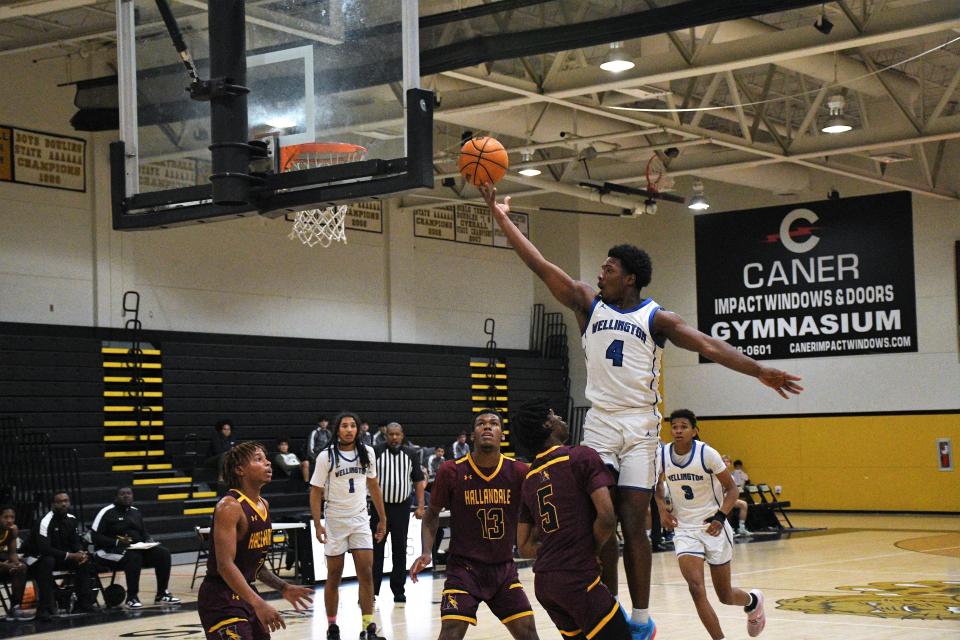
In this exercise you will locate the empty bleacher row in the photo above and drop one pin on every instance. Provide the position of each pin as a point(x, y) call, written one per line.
point(56, 379)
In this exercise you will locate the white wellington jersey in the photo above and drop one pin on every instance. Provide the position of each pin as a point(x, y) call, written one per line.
point(344, 481)
point(692, 483)
point(623, 360)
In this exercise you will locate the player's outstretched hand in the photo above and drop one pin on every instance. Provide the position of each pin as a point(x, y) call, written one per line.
point(269, 617)
point(321, 533)
point(381, 531)
point(668, 520)
point(419, 565)
point(780, 381)
point(489, 193)
point(300, 597)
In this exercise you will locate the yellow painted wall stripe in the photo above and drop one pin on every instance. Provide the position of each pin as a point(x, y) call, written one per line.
point(198, 511)
point(133, 423)
point(176, 480)
point(133, 394)
point(130, 379)
point(130, 365)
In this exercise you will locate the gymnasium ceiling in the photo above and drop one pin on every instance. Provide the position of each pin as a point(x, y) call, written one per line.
point(765, 79)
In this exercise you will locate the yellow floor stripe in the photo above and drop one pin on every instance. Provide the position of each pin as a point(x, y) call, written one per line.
point(130, 365)
point(133, 423)
point(125, 409)
point(146, 352)
point(148, 481)
point(198, 511)
point(130, 379)
point(133, 394)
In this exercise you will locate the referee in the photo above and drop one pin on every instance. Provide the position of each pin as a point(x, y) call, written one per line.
point(398, 472)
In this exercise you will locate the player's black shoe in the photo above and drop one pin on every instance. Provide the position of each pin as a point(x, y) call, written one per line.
point(333, 632)
point(371, 633)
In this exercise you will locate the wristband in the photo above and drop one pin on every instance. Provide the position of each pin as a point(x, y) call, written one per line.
point(719, 516)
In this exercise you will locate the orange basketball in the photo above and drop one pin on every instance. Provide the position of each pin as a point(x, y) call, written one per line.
point(483, 160)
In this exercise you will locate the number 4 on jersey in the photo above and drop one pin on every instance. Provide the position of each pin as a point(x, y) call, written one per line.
point(615, 353)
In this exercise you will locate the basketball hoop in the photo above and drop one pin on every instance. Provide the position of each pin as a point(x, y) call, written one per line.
point(323, 225)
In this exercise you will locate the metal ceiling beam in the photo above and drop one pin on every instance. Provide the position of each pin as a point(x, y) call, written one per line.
point(40, 7)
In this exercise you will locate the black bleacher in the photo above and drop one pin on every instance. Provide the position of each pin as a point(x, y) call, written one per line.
point(51, 377)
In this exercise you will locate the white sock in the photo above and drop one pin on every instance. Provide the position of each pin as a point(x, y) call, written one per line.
point(639, 616)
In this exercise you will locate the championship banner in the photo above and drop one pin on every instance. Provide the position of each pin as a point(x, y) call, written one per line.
point(830, 278)
point(42, 159)
point(466, 224)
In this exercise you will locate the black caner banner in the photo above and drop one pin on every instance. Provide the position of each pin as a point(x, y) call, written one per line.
point(831, 278)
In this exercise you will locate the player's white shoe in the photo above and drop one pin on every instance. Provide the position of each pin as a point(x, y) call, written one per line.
point(756, 619)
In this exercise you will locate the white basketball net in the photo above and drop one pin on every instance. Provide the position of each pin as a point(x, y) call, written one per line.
point(320, 226)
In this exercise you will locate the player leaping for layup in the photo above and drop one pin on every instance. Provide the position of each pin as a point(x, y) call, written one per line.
point(482, 491)
point(623, 337)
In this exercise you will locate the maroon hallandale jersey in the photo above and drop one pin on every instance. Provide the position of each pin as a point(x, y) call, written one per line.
point(483, 504)
point(252, 548)
point(556, 499)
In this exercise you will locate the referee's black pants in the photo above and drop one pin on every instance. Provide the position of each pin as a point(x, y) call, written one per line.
point(398, 521)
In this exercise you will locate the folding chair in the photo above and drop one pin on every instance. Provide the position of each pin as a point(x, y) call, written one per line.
point(776, 505)
point(759, 516)
point(203, 552)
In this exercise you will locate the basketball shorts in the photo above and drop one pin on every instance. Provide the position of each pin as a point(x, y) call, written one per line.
point(715, 550)
point(580, 605)
point(469, 583)
point(627, 443)
point(347, 534)
point(225, 616)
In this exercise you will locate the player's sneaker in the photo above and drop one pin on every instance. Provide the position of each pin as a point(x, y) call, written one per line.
point(134, 603)
point(371, 633)
point(166, 598)
point(642, 631)
point(333, 632)
point(756, 619)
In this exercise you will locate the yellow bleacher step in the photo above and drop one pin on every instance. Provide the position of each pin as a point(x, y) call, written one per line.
point(128, 379)
point(172, 480)
point(133, 394)
point(500, 409)
point(204, 494)
point(485, 365)
point(489, 398)
point(487, 376)
point(124, 408)
point(127, 467)
point(198, 511)
point(130, 365)
point(487, 387)
point(160, 466)
point(133, 423)
point(173, 496)
point(132, 454)
point(121, 350)
point(131, 438)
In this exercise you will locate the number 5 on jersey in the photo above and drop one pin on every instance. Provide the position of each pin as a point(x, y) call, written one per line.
point(615, 353)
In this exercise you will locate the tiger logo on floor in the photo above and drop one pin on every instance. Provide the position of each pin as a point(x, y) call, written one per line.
point(921, 600)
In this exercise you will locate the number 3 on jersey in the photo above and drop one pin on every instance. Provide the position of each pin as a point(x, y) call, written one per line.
point(615, 353)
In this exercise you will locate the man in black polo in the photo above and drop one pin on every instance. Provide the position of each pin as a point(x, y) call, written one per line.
point(57, 544)
point(399, 474)
point(117, 527)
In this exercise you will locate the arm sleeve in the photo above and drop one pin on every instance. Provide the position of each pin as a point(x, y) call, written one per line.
point(591, 472)
point(443, 484)
point(712, 461)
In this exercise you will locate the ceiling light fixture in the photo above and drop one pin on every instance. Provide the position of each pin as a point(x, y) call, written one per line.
point(822, 23)
point(617, 60)
point(838, 121)
point(526, 156)
point(698, 202)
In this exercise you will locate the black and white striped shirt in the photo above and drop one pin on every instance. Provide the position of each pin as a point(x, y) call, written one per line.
point(397, 472)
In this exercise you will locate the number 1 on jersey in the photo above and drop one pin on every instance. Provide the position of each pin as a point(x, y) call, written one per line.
point(352, 489)
point(615, 353)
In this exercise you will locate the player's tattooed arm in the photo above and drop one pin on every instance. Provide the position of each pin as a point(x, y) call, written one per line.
point(606, 521)
point(299, 597)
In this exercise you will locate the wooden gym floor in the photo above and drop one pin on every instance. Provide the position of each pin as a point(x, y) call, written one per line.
point(865, 577)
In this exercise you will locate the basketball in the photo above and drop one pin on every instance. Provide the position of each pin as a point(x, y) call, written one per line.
point(483, 160)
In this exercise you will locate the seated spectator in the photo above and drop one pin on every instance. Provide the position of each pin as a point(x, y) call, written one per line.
point(115, 528)
point(434, 462)
point(365, 437)
point(57, 545)
point(460, 446)
point(319, 438)
point(288, 462)
point(739, 475)
point(740, 505)
point(11, 568)
point(380, 437)
point(221, 442)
